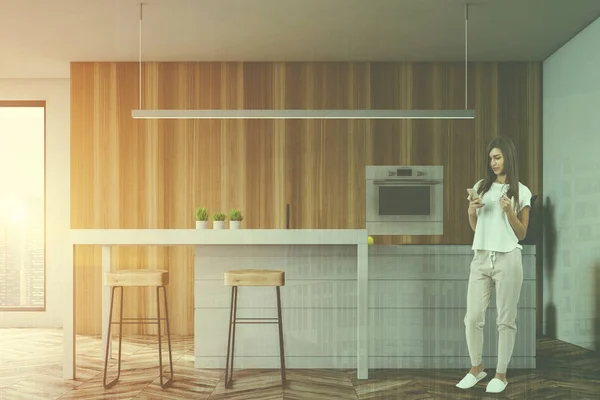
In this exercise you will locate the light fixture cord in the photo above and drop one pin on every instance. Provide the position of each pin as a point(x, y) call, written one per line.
point(140, 57)
point(466, 54)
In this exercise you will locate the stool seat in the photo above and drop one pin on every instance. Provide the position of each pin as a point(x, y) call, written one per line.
point(254, 277)
point(137, 277)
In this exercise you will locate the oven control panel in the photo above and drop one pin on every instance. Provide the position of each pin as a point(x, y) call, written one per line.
point(403, 172)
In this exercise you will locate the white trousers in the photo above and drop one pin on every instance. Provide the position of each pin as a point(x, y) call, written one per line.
point(505, 271)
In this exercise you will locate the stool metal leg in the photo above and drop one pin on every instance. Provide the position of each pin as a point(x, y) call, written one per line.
point(108, 337)
point(231, 337)
point(162, 383)
point(280, 325)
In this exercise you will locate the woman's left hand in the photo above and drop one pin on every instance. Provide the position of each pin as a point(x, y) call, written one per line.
point(506, 204)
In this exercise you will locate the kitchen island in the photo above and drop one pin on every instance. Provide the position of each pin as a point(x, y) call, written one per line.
point(325, 300)
point(345, 304)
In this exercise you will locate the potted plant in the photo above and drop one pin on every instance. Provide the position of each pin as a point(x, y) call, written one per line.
point(219, 220)
point(235, 219)
point(201, 218)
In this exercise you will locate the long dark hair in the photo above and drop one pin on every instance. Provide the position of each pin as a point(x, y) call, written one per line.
point(511, 168)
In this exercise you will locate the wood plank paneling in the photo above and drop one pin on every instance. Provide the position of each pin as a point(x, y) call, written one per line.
point(129, 173)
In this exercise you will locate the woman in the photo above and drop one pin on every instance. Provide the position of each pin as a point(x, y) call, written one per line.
point(498, 214)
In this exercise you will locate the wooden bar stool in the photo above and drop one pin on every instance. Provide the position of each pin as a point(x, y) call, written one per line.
point(138, 278)
point(252, 277)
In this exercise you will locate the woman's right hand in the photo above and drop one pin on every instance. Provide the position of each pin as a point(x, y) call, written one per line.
point(474, 205)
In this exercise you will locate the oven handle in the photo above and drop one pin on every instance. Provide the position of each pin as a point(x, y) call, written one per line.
point(405, 182)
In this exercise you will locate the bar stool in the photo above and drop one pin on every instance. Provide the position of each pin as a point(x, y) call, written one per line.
point(252, 277)
point(138, 278)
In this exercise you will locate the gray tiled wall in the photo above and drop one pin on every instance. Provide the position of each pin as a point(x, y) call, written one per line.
point(571, 181)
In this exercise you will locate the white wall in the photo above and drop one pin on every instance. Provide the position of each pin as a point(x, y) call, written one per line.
point(56, 92)
point(571, 96)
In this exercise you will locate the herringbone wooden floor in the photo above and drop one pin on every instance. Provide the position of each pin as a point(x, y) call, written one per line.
point(31, 369)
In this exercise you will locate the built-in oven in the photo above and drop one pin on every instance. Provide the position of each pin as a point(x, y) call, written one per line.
point(405, 200)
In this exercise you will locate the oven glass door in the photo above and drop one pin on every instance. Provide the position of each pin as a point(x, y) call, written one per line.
point(405, 200)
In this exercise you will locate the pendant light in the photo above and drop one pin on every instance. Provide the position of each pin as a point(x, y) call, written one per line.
point(301, 114)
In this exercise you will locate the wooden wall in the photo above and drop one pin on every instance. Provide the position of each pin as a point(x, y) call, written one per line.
point(129, 173)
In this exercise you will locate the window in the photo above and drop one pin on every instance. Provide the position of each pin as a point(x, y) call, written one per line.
point(22, 205)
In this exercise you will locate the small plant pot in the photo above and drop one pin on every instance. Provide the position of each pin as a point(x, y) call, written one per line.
point(218, 224)
point(201, 224)
point(235, 224)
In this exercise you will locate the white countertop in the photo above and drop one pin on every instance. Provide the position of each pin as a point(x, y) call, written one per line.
point(218, 237)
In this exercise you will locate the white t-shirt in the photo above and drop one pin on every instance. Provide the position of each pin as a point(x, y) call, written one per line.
point(493, 231)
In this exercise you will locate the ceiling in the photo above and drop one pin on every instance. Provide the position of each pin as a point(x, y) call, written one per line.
point(41, 37)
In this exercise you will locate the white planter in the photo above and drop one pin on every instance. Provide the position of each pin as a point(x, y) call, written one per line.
point(218, 224)
point(235, 224)
point(201, 224)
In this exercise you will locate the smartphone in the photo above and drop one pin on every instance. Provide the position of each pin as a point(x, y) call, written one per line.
point(472, 194)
